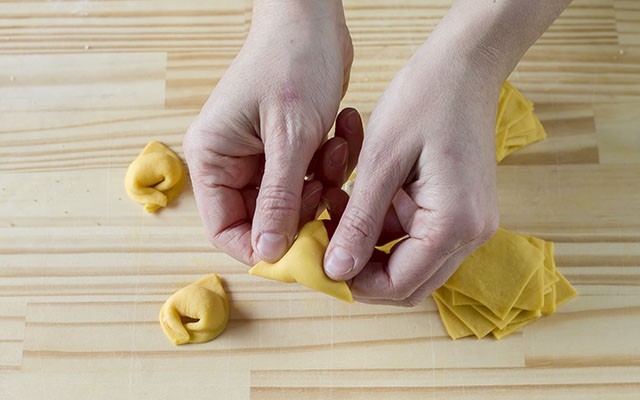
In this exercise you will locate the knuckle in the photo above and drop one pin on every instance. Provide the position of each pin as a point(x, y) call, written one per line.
point(289, 94)
point(415, 297)
point(200, 179)
point(406, 296)
point(198, 142)
point(238, 246)
point(229, 171)
point(360, 222)
point(278, 202)
point(216, 240)
point(289, 119)
point(190, 140)
point(400, 292)
point(203, 135)
point(411, 301)
point(288, 132)
point(479, 225)
point(469, 222)
point(474, 227)
point(402, 295)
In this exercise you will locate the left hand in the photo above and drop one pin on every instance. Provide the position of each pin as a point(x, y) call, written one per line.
point(250, 147)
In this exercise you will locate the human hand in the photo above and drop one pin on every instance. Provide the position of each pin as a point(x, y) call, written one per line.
point(249, 149)
point(427, 170)
point(429, 152)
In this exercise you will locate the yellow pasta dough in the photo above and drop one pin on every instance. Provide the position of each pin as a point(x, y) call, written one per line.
point(512, 279)
point(480, 326)
point(466, 297)
point(549, 304)
point(516, 123)
point(509, 329)
point(196, 313)
point(564, 290)
point(303, 264)
point(454, 326)
point(500, 323)
point(155, 177)
point(551, 279)
point(526, 316)
point(506, 263)
point(461, 300)
point(532, 296)
point(533, 286)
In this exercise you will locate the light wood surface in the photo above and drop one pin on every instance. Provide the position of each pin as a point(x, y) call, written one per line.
point(84, 85)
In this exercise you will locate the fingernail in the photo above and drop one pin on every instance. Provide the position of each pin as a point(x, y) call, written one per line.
point(339, 155)
point(353, 121)
point(338, 263)
point(311, 201)
point(311, 195)
point(271, 246)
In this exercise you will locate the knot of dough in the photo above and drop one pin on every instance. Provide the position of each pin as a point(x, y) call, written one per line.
point(155, 177)
point(204, 303)
point(303, 264)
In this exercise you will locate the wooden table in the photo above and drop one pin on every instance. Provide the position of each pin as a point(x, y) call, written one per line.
point(83, 271)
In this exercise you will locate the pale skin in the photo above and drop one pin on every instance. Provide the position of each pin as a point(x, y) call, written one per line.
point(426, 168)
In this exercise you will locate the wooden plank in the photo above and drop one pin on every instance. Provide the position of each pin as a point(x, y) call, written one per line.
point(85, 85)
point(627, 14)
point(584, 391)
point(419, 353)
point(131, 382)
point(101, 339)
point(10, 355)
point(122, 26)
point(618, 133)
point(571, 131)
point(576, 200)
point(566, 339)
point(81, 81)
point(90, 139)
point(141, 311)
point(442, 378)
point(12, 321)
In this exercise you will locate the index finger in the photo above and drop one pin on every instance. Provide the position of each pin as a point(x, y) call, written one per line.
point(225, 220)
point(349, 127)
point(218, 182)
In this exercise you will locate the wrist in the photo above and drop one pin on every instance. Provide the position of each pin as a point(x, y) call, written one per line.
point(297, 12)
point(452, 70)
point(492, 36)
point(466, 42)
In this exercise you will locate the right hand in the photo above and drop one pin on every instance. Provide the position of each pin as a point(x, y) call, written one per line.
point(427, 172)
point(249, 149)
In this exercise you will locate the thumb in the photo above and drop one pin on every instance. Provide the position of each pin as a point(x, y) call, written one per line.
point(380, 175)
point(275, 221)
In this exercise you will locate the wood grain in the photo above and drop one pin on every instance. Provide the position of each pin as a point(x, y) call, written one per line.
point(84, 85)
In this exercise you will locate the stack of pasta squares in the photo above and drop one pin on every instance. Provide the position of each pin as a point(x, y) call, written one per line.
point(516, 123)
point(506, 284)
point(512, 279)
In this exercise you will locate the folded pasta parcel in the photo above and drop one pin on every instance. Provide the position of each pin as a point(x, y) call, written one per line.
point(155, 177)
point(303, 264)
point(196, 313)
